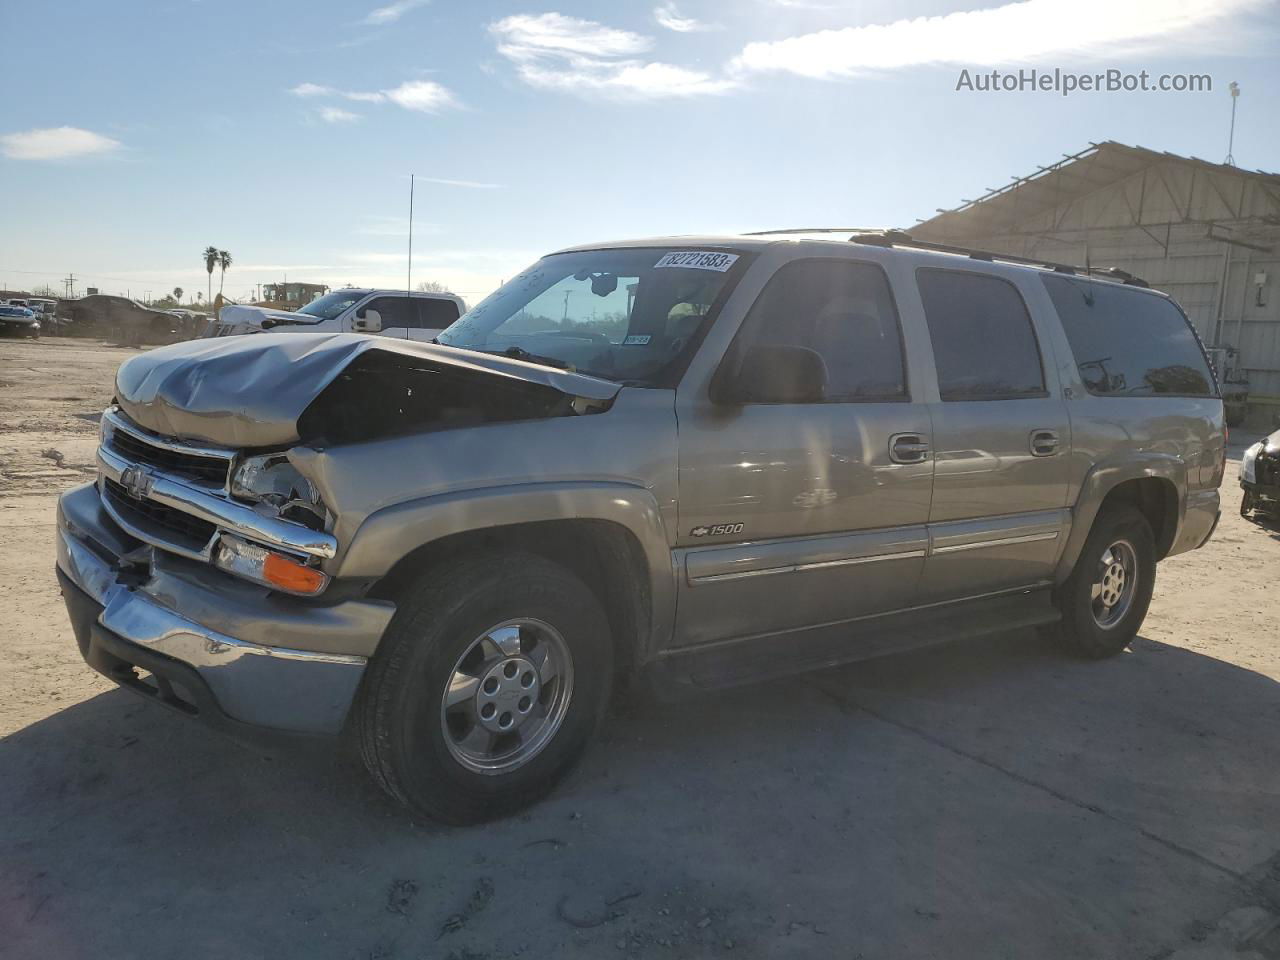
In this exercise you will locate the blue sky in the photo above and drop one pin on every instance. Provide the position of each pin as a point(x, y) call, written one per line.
point(133, 134)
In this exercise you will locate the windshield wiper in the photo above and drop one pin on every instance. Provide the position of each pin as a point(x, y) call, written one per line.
point(520, 353)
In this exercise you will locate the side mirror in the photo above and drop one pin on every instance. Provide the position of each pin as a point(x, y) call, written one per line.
point(367, 320)
point(777, 374)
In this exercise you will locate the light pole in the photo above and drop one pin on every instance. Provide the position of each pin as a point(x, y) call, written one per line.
point(1231, 140)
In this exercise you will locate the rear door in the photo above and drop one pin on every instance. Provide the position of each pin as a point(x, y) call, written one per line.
point(1001, 439)
point(797, 514)
point(431, 315)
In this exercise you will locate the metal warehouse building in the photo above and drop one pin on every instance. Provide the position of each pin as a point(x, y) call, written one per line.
point(1206, 233)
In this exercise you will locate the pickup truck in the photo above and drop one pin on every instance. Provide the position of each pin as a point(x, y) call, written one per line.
point(701, 460)
point(392, 313)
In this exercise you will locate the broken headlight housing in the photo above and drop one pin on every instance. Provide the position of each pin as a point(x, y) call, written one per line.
point(270, 479)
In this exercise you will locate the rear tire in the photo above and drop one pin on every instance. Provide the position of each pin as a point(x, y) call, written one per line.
point(1105, 600)
point(484, 625)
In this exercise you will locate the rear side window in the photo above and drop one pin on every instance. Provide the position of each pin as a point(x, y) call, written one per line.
point(435, 314)
point(984, 346)
point(1129, 343)
point(844, 311)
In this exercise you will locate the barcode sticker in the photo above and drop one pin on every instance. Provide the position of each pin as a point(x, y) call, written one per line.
point(697, 260)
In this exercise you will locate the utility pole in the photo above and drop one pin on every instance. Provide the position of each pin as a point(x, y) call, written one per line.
point(1231, 139)
point(69, 284)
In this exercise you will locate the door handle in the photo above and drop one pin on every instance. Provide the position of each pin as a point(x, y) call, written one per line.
point(1044, 443)
point(908, 448)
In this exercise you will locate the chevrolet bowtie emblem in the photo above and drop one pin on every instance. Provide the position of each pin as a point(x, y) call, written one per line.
point(137, 481)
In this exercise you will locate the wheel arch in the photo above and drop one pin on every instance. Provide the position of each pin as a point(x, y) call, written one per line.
point(1155, 485)
point(610, 535)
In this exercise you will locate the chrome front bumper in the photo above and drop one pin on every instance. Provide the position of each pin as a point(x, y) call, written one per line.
point(217, 645)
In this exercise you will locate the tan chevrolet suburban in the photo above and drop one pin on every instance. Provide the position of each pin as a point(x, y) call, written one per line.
point(708, 460)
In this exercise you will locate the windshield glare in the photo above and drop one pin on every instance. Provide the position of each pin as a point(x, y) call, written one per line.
point(625, 315)
point(331, 305)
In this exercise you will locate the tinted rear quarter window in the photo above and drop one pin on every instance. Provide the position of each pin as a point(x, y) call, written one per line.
point(984, 346)
point(1129, 343)
point(435, 314)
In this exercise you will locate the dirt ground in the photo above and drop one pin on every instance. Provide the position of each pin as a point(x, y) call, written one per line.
point(984, 800)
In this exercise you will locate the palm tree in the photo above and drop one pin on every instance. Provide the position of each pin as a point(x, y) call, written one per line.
point(224, 261)
point(177, 294)
point(210, 260)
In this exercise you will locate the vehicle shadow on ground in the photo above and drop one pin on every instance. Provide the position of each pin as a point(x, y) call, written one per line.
point(991, 792)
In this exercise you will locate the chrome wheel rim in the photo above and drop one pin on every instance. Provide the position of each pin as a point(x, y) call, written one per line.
point(1114, 584)
point(507, 696)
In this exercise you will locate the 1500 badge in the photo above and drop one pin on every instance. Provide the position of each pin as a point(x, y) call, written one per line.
point(717, 530)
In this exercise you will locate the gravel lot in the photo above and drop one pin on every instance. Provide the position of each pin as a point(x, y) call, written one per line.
point(984, 800)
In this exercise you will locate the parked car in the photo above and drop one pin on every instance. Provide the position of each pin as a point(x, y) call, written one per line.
point(1260, 478)
point(707, 460)
point(19, 322)
point(392, 313)
point(123, 320)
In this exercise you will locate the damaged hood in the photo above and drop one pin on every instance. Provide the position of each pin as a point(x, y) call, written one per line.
point(250, 391)
point(249, 319)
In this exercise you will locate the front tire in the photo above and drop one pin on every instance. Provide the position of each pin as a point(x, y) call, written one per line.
point(486, 688)
point(1105, 600)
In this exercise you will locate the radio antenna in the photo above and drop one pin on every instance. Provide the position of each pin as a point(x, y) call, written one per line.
point(408, 280)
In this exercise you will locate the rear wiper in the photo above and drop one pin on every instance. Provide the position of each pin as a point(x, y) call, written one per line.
point(520, 353)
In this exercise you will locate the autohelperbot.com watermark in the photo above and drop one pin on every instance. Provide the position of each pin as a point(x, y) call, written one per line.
point(1066, 82)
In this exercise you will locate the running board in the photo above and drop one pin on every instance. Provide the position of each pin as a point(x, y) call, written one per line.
point(738, 662)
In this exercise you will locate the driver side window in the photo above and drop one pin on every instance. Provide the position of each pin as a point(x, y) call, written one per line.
point(842, 310)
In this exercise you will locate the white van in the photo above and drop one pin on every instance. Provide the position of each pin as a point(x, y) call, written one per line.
point(392, 313)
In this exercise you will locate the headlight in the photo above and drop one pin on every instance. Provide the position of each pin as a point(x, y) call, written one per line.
point(277, 570)
point(1248, 463)
point(273, 480)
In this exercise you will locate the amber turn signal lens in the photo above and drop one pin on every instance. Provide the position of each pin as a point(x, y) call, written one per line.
point(288, 574)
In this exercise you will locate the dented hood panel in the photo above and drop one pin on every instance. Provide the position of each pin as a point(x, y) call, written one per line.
point(250, 391)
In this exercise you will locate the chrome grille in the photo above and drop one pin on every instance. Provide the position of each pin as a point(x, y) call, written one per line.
point(201, 464)
point(158, 520)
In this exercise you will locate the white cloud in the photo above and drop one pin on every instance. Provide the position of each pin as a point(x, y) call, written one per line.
point(470, 184)
point(1021, 32)
point(424, 96)
point(668, 16)
point(554, 52)
point(392, 12)
point(526, 36)
point(55, 143)
point(338, 115)
point(312, 90)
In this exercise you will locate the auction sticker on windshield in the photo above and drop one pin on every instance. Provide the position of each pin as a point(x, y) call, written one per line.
point(695, 260)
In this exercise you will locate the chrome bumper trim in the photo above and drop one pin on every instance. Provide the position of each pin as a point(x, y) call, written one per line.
point(276, 687)
point(227, 514)
point(133, 615)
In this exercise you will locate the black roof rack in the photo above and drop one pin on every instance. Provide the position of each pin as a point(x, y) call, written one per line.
point(900, 238)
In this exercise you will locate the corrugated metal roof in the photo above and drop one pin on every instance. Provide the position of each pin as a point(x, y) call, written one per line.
point(1076, 175)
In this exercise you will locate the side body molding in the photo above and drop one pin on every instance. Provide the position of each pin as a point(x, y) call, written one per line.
point(1105, 477)
point(393, 532)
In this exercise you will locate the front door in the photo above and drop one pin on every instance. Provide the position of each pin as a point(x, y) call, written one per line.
point(1001, 440)
point(398, 314)
point(795, 515)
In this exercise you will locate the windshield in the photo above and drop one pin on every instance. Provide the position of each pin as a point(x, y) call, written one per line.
point(625, 315)
point(331, 305)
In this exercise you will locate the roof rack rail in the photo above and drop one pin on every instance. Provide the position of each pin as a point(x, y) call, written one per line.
point(793, 230)
point(900, 238)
